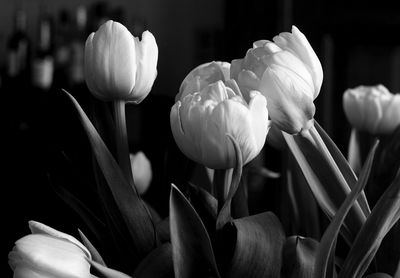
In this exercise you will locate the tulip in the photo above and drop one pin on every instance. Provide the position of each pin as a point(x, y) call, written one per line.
point(203, 75)
point(200, 122)
point(372, 108)
point(141, 171)
point(49, 253)
point(117, 65)
point(288, 73)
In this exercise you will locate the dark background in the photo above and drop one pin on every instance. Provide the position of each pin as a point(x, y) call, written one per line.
point(357, 43)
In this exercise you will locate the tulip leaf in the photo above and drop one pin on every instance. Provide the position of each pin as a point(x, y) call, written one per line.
point(304, 219)
point(163, 231)
point(203, 197)
point(344, 167)
point(327, 184)
point(298, 257)
point(258, 242)
point(354, 152)
point(89, 218)
point(224, 216)
point(206, 205)
point(326, 249)
point(382, 218)
point(95, 254)
point(192, 252)
point(132, 208)
point(105, 272)
point(158, 264)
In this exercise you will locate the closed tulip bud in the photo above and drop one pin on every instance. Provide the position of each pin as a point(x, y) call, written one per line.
point(372, 108)
point(288, 73)
point(49, 253)
point(141, 171)
point(202, 76)
point(201, 121)
point(118, 65)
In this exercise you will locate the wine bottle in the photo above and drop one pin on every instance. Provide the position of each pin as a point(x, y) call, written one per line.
point(43, 62)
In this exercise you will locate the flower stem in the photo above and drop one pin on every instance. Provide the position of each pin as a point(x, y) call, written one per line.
point(121, 138)
point(221, 184)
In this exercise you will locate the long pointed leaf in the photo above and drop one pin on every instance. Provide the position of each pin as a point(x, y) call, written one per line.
point(326, 248)
point(132, 208)
point(325, 180)
point(344, 167)
point(95, 254)
point(192, 252)
point(106, 272)
point(382, 218)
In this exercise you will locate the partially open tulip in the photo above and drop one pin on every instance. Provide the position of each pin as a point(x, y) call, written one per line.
point(119, 65)
point(202, 76)
point(200, 122)
point(141, 171)
point(288, 73)
point(372, 108)
point(49, 253)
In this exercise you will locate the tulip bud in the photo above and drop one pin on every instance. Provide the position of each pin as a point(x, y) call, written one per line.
point(118, 65)
point(288, 73)
point(202, 76)
point(200, 122)
point(372, 108)
point(49, 253)
point(141, 171)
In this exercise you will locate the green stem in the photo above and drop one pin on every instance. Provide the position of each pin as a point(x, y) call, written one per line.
point(121, 138)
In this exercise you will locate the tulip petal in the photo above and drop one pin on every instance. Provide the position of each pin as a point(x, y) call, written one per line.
point(146, 59)
point(391, 116)
point(289, 104)
point(121, 61)
point(298, 45)
point(48, 254)
point(40, 228)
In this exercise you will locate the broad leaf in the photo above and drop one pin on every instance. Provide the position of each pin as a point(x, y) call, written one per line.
point(383, 216)
point(192, 252)
point(158, 264)
point(326, 249)
point(132, 208)
point(298, 257)
point(257, 241)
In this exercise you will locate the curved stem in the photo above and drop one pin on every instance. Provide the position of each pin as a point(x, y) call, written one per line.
point(121, 138)
point(221, 184)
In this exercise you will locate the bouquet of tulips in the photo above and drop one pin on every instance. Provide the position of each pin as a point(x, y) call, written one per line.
point(223, 115)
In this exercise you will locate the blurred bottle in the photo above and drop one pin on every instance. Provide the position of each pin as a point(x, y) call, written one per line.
point(62, 49)
point(76, 68)
point(43, 61)
point(18, 49)
point(16, 78)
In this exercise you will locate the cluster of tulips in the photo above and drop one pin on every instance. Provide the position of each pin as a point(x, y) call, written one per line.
point(223, 115)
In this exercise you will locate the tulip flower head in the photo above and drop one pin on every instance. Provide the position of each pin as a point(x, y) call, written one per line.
point(288, 73)
point(372, 108)
point(49, 253)
point(200, 122)
point(118, 65)
point(141, 171)
point(203, 75)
